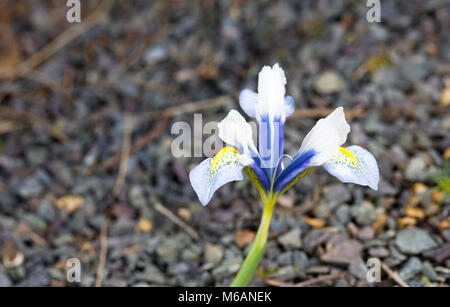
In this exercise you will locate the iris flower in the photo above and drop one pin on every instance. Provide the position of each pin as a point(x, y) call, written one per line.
point(322, 146)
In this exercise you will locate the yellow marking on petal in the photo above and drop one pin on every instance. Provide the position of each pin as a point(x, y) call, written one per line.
point(227, 155)
point(350, 155)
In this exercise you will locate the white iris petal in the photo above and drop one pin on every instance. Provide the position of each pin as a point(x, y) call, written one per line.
point(325, 137)
point(271, 91)
point(235, 131)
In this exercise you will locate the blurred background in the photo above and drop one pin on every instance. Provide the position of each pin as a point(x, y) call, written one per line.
point(86, 169)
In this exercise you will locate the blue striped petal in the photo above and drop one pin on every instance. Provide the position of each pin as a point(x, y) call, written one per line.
point(270, 143)
point(213, 173)
point(300, 163)
point(354, 164)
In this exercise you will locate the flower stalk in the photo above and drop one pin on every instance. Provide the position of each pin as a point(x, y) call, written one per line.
point(253, 258)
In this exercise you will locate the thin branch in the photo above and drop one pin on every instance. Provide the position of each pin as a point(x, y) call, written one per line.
point(125, 155)
point(103, 252)
point(59, 42)
point(393, 275)
point(356, 112)
point(186, 108)
point(141, 143)
point(176, 220)
point(12, 113)
point(277, 283)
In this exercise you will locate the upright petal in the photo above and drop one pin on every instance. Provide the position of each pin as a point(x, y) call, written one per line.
point(213, 173)
point(289, 106)
point(271, 91)
point(248, 100)
point(356, 165)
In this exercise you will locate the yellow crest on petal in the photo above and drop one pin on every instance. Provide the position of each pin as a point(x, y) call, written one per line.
point(228, 155)
point(345, 156)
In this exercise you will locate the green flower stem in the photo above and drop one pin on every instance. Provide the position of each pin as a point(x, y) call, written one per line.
point(247, 269)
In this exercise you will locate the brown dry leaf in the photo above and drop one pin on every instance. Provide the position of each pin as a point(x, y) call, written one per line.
point(285, 201)
point(406, 221)
point(69, 203)
point(57, 283)
point(445, 97)
point(431, 49)
point(376, 62)
point(419, 188)
point(9, 59)
point(315, 223)
point(415, 213)
point(132, 249)
point(380, 223)
point(184, 213)
point(60, 265)
point(244, 237)
point(447, 153)
point(414, 201)
point(445, 224)
point(144, 225)
point(12, 257)
point(437, 196)
point(87, 248)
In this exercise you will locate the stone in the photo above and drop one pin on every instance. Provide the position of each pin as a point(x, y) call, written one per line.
point(415, 170)
point(358, 269)
point(155, 54)
point(428, 271)
point(314, 238)
point(343, 214)
point(337, 193)
point(343, 253)
point(5, 281)
point(285, 258)
point(446, 234)
point(329, 82)
point(410, 269)
point(291, 239)
point(378, 252)
point(366, 233)
point(414, 241)
point(213, 253)
point(300, 260)
point(30, 187)
point(365, 214)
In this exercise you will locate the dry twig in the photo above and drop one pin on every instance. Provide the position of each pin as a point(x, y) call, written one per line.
point(59, 42)
point(356, 112)
point(186, 108)
point(393, 275)
point(277, 283)
point(176, 220)
point(103, 251)
point(125, 155)
point(141, 143)
point(12, 113)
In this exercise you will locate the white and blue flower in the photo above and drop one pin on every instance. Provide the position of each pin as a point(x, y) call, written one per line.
point(320, 147)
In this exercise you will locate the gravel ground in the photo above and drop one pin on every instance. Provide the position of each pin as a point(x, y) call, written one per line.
point(69, 109)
